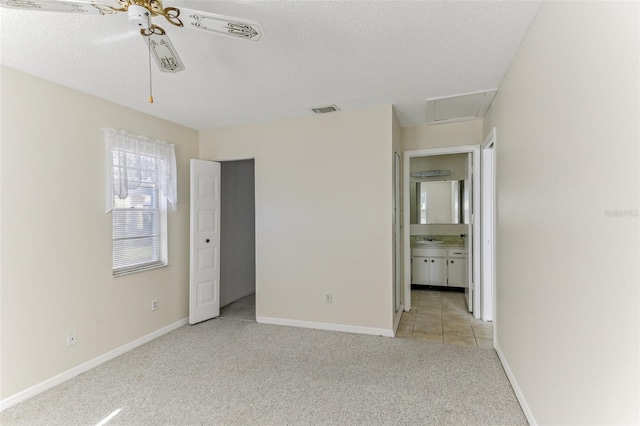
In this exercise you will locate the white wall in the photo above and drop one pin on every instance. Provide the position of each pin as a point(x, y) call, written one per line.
point(56, 254)
point(323, 214)
point(567, 274)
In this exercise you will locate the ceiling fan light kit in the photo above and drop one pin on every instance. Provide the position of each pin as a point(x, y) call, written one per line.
point(140, 14)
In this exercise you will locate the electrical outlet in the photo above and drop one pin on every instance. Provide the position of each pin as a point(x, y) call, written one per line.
point(154, 305)
point(72, 338)
point(328, 298)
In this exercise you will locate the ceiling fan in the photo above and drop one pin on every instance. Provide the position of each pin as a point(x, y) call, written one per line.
point(140, 14)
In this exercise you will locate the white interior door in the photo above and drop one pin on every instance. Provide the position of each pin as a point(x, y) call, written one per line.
point(488, 226)
point(204, 278)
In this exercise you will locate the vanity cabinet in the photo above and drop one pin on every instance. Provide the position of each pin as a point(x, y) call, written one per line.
point(438, 266)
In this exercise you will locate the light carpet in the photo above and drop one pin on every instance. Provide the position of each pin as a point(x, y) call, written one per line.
point(226, 372)
point(242, 309)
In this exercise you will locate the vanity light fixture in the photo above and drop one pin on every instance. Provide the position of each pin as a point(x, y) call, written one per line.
point(430, 173)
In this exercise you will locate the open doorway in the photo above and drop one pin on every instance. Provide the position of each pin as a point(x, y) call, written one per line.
point(464, 189)
point(443, 296)
point(237, 240)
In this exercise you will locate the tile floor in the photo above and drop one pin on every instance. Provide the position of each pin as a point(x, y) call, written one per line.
point(242, 309)
point(442, 317)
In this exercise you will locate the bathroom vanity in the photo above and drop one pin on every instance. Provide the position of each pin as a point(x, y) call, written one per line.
point(439, 266)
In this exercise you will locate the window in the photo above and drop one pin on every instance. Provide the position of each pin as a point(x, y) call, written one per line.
point(139, 230)
point(141, 173)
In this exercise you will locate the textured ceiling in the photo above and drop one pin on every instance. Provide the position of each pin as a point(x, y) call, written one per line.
point(354, 54)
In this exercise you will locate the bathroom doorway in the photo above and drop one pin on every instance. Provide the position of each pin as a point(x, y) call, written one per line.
point(440, 237)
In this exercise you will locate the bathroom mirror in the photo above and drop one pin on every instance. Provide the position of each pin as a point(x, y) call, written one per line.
point(439, 202)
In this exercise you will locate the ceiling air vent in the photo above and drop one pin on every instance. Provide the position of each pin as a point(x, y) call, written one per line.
point(324, 110)
point(471, 106)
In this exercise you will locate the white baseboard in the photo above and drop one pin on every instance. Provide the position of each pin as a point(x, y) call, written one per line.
point(326, 326)
point(233, 299)
point(514, 384)
point(69, 374)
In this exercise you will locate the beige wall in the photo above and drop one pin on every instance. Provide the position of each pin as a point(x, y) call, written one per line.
point(323, 214)
point(567, 275)
point(442, 135)
point(56, 239)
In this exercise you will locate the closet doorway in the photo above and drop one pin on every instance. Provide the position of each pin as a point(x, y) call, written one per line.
point(237, 240)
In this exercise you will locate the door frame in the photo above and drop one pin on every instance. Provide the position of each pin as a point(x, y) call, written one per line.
point(397, 241)
point(475, 255)
point(489, 222)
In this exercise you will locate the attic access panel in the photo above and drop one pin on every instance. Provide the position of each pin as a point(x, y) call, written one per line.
point(471, 106)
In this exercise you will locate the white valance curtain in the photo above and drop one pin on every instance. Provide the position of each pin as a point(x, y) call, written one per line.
point(133, 160)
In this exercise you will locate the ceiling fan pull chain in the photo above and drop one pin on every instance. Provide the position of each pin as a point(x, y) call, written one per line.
point(149, 50)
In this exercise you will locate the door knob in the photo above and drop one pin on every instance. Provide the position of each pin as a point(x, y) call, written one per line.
point(207, 240)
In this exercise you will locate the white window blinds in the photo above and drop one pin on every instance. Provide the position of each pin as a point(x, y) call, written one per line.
point(136, 229)
point(141, 179)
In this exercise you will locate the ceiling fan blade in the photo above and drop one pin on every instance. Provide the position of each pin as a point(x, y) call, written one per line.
point(163, 51)
point(220, 24)
point(89, 8)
